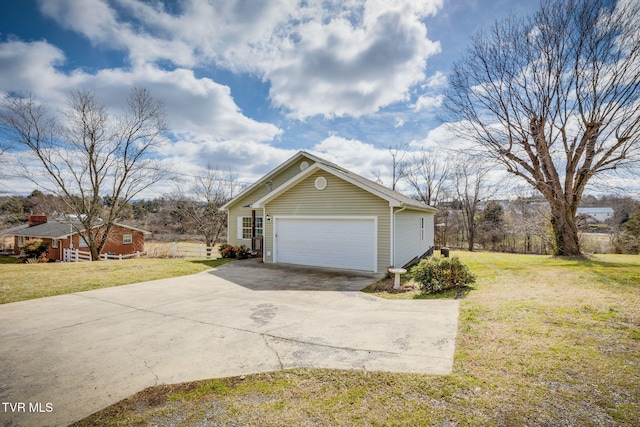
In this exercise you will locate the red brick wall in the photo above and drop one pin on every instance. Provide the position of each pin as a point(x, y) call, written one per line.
point(115, 243)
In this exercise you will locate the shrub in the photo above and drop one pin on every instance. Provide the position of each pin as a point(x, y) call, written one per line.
point(34, 249)
point(437, 274)
point(228, 251)
point(240, 252)
point(243, 252)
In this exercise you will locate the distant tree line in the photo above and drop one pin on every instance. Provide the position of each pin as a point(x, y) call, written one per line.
point(173, 217)
point(470, 217)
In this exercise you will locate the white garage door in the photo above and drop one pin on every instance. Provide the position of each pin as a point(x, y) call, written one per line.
point(348, 243)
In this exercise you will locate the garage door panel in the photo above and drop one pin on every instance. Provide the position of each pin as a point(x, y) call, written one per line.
point(326, 242)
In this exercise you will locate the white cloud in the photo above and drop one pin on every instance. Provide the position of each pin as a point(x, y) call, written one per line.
point(197, 106)
point(30, 67)
point(438, 80)
point(346, 68)
point(329, 58)
point(364, 159)
point(428, 102)
point(440, 140)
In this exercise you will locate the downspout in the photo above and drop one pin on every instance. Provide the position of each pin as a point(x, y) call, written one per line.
point(393, 235)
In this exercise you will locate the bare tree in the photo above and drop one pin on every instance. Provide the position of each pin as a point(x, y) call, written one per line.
point(554, 98)
point(196, 206)
point(85, 153)
point(428, 175)
point(471, 189)
point(398, 163)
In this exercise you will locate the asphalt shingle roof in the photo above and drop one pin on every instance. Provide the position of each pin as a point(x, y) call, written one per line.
point(51, 229)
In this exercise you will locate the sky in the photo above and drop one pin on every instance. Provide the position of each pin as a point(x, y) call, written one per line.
point(248, 83)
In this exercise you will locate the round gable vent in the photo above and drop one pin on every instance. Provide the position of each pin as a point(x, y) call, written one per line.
point(321, 183)
point(304, 165)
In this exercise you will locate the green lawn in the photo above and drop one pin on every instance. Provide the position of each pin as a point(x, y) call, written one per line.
point(20, 282)
point(541, 341)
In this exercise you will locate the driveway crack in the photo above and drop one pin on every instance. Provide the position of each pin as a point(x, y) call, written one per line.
point(152, 372)
point(266, 342)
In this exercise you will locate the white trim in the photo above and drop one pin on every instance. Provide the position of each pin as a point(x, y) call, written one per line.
point(239, 227)
point(327, 217)
point(127, 226)
point(228, 227)
point(313, 168)
point(392, 236)
point(264, 229)
point(299, 155)
point(320, 183)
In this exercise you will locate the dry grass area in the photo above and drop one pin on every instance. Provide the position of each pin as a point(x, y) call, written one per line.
point(541, 342)
point(20, 282)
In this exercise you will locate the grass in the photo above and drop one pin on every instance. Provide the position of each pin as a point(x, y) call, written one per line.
point(20, 282)
point(4, 259)
point(541, 341)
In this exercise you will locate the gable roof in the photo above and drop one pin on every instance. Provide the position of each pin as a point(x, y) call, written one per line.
point(60, 229)
point(50, 229)
point(299, 155)
point(393, 197)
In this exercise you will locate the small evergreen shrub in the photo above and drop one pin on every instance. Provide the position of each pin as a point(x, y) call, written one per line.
point(34, 249)
point(436, 274)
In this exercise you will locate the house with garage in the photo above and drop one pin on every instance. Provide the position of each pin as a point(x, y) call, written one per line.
point(311, 212)
point(64, 234)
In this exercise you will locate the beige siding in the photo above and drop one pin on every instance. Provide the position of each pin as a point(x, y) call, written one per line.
point(339, 198)
point(276, 181)
point(409, 239)
point(238, 210)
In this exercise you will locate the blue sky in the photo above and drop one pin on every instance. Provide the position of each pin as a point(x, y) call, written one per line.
point(248, 83)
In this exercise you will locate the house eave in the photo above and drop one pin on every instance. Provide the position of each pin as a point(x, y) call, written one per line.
point(299, 155)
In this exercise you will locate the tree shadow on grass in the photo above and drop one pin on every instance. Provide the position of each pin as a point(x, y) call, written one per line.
point(212, 263)
point(455, 293)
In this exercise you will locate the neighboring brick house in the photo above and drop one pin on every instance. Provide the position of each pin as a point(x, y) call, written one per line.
point(62, 234)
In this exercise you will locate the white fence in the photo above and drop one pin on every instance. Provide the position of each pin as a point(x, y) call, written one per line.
point(193, 251)
point(76, 255)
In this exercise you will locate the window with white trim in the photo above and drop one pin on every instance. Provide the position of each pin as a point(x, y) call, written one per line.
point(258, 226)
point(83, 242)
point(20, 241)
point(54, 243)
point(422, 228)
point(127, 239)
point(245, 227)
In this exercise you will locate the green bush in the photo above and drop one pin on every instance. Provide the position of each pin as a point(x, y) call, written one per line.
point(436, 274)
point(34, 249)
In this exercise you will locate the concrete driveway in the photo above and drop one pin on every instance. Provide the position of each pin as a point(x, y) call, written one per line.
point(63, 358)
